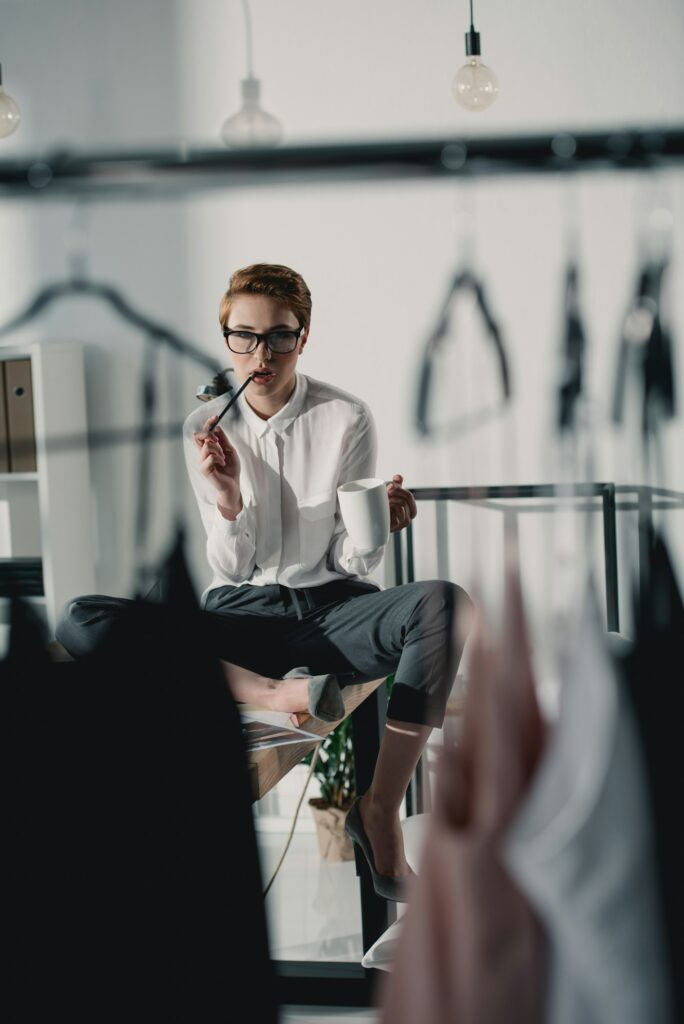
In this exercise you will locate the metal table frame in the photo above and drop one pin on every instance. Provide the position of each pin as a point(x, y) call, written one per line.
point(349, 984)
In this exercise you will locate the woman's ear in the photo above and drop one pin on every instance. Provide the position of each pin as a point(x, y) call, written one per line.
point(303, 340)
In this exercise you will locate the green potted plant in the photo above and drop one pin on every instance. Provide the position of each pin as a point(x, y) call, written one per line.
point(334, 770)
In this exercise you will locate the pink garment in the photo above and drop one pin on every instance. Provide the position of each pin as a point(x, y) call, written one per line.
point(471, 950)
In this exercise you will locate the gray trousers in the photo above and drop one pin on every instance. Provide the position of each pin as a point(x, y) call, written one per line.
point(347, 627)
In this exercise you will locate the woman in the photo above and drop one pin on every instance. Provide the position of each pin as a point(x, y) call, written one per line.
point(286, 575)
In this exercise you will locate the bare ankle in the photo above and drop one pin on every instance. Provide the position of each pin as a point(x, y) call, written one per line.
point(379, 807)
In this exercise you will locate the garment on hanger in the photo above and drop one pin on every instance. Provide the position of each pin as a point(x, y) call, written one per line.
point(653, 673)
point(471, 947)
point(581, 847)
point(132, 871)
point(646, 347)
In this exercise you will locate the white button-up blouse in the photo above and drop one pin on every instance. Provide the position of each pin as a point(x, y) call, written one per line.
point(289, 530)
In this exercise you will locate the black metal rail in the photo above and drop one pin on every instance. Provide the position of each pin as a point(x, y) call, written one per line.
point(173, 172)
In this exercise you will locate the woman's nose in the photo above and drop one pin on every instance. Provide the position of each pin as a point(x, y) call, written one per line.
point(263, 351)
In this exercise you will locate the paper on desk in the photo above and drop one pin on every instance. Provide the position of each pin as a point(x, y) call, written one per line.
point(261, 728)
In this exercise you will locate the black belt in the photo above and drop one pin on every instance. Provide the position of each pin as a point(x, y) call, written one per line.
point(295, 597)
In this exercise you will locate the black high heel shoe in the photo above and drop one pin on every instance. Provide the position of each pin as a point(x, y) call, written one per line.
point(387, 886)
point(325, 695)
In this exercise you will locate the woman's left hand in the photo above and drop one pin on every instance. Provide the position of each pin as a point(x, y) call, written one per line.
point(402, 504)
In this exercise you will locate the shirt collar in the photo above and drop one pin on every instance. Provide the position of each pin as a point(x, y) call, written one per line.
point(284, 417)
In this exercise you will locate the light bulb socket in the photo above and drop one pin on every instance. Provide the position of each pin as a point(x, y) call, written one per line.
point(251, 89)
point(472, 43)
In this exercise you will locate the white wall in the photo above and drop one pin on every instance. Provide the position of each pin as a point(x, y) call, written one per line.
point(377, 257)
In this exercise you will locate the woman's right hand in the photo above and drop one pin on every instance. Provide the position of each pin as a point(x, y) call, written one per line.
point(220, 464)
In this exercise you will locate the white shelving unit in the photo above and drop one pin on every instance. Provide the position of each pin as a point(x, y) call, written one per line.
point(51, 509)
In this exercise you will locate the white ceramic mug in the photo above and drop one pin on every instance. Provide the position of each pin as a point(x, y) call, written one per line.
point(365, 511)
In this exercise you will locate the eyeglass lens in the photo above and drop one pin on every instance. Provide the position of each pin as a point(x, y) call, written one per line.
point(278, 341)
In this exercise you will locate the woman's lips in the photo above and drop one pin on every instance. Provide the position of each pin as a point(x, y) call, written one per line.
point(262, 376)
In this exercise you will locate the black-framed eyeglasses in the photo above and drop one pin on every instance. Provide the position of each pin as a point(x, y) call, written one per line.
point(281, 341)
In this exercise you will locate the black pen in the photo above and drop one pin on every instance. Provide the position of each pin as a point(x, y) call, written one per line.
point(232, 401)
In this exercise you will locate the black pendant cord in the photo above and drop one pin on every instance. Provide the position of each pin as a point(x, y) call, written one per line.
point(248, 38)
point(472, 38)
point(464, 281)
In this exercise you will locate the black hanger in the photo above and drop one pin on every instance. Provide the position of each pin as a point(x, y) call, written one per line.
point(464, 281)
point(647, 345)
point(156, 332)
point(573, 351)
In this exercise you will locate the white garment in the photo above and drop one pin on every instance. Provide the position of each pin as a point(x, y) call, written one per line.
point(581, 849)
point(289, 530)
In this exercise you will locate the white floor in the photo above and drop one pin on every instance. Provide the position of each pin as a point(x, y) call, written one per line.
point(313, 908)
point(326, 1015)
point(313, 914)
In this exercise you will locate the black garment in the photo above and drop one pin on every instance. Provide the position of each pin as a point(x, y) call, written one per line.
point(132, 882)
point(653, 672)
point(347, 627)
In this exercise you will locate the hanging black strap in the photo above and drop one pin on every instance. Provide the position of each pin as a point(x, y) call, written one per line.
point(148, 403)
point(573, 351)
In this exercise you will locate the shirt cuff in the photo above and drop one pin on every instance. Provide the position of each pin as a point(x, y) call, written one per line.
point(231, 526)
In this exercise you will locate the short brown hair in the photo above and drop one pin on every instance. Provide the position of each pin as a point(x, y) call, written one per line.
point(269, 279)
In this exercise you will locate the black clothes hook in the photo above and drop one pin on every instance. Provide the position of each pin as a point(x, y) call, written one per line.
point(464, 281)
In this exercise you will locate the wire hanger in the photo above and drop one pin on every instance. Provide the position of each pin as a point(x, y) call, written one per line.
point(155, 336)
point(78, 285)
point(464, 281)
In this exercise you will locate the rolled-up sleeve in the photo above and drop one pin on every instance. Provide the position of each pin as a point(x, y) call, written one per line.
point(358, 461)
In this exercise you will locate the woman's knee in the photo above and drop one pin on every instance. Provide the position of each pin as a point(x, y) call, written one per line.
point(442, 600)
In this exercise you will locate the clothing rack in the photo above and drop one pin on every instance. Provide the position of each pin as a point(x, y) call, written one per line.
point(184, 171)
point(168, 173)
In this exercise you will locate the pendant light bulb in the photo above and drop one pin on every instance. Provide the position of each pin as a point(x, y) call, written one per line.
point(10, 115)
point(251, 126)
point(475, 86)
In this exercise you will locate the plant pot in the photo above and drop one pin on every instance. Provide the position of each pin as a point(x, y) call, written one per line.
point(333, 842)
